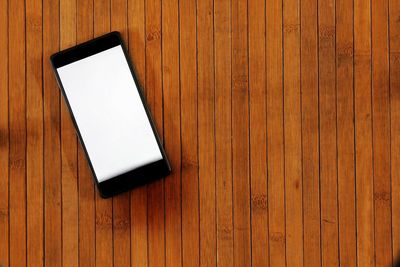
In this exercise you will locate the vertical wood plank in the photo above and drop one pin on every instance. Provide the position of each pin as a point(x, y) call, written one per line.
point(17, 116)
point(189, 122)
point(381, 133)
point(394, 53)
point(52, 157)
point(345, 133)
point(258, 133)
point(4, 136)
point(275, 135)
point(34, 102)
point(327, 130)
point(136, 37)
point(293, 137)
point(153, 58)
point(155, 191)
point(121, 203)
point(363, 133)
point(172, 133)
point(85, 181)
point(240, 134)
point(310, 133)
point(137, 49)
point(206, 131)
point(69, 159)
point(121, 230)
point(223, 130)
point(104, 239)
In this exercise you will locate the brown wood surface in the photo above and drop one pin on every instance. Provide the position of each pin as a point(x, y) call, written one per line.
point(281, 119)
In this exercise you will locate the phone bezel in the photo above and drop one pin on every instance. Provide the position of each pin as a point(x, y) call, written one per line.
point(138, 176)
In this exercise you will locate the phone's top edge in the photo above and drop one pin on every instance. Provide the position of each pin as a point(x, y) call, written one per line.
point(116, 33)
point(54, 58)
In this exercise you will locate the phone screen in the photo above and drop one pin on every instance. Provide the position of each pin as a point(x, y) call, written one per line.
point(109, 113)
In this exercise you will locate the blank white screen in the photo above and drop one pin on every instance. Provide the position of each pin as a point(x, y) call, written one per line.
point(109, 113)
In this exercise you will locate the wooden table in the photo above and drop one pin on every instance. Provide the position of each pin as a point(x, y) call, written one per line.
point(281, 119)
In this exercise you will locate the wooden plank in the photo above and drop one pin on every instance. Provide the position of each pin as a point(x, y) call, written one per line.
point(52, 156)
point(139, 251)
point(69, 159)
point(34, 152)
point(104, 238)
point(310, 133)
point(4, 136)
point(137, 49)
point(155, 222)
point(206, 130)
point(136, 38)
point(258, 131)
point(85, 181)
point(223, 130)
point(327, 131)
point(17, 124)
point(394, 53)
point(381, 133)
point(172, 133)
point(275, 138)
point(189, 132)
point(363, 133)
point(121, 230)
point(153, 77)
point(121, 203)
point(293, 137)
point(154, 90)
point(240, 134)
point(345, 133)
point(139, 242)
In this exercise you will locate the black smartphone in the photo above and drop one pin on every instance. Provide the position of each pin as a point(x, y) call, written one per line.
point(110, 115)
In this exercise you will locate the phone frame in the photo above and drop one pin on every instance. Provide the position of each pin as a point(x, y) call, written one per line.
point(138, 176)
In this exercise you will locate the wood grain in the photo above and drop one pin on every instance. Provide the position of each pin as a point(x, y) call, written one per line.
point(345, 133)
point(293, 135)
point(34, 117)
point(189, 133)
point(258, 131)
point(172, 131)
point(52, 142)
point(328, 132)
point(275, 134)
point(281, 120)
point(223, 130)
point(310, 133)
point(363, 133)
point(154, 92)
point(206, 132)
point(4, 137)
point(394, 61)
point(240, 134)
point(381, 132)
point(17, 128)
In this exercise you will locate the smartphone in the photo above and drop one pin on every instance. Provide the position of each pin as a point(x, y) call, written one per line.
point(111, 118)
